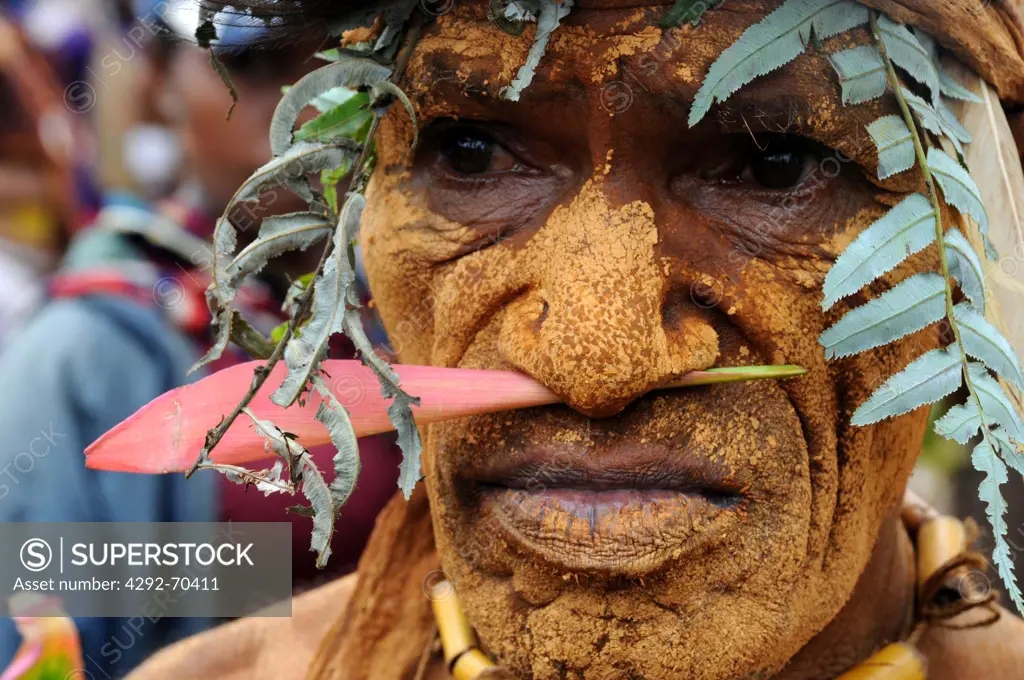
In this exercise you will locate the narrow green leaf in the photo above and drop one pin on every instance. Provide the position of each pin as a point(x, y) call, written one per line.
point(995, 404)
point(984, 342)
point(221, 322)
point(772, 43)
point(965, 267)
point(986, 461)
point(278, 235)
point(917, 302)
point(907, 52)
point(344, 120)
point(290, 169)
point(551, 13)
point(895, 146)
point(925, 381)
point(347, 464)
point(350, 73)
point(906, 229)
point(862, 74)
point(287, 171)
point(961, 423)
point(960, 191)
point(389, 88)
point(316, 491)
point(330, 292)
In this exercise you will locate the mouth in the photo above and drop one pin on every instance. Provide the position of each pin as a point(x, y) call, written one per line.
point(627, 511)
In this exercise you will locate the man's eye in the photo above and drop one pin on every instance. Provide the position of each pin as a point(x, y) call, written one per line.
point(779, 170)
point(471, 151)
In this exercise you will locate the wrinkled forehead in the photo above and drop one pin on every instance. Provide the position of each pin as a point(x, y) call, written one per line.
point(614, 65)
point(598, 42)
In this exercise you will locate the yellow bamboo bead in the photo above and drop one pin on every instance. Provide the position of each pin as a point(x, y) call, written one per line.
point(896, 662)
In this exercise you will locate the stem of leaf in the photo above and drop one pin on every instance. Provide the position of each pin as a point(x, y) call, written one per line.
point(933, 195)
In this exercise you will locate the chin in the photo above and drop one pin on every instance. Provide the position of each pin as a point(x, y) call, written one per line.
point(651, 543)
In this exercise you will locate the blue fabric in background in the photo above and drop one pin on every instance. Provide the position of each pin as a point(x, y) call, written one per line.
point(79, 368)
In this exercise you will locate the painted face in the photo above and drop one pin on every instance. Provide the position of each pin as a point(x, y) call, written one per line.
point(587, 237)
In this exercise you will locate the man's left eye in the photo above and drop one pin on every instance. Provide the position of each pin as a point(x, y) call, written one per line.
point(778, 170)
point(773, 162)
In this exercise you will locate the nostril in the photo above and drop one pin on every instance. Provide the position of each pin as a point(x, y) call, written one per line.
point(542, 316)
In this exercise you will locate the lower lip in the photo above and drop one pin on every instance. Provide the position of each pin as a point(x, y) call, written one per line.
point(628, 532)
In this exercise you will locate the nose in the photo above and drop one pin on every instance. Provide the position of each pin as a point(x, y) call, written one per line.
point(597, 323)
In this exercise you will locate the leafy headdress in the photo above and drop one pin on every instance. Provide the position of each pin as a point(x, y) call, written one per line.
point(947, 63)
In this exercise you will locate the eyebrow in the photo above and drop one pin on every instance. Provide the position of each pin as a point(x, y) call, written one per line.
point(776, 107)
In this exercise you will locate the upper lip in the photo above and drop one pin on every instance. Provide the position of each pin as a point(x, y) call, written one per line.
point(622, 466)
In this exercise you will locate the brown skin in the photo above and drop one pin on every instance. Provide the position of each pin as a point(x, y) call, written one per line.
point(724, 533)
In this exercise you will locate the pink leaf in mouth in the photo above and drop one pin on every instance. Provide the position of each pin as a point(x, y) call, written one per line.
point(168, 433)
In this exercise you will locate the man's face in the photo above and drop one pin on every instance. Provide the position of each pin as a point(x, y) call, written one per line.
point(587, 237)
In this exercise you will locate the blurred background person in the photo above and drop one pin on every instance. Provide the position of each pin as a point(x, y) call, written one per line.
point(37, 187)
point(126, 316)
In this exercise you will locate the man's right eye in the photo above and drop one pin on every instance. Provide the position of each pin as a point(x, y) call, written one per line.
point(469, 150)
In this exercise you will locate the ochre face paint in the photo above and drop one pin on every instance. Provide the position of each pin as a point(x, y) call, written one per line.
point(605, 249)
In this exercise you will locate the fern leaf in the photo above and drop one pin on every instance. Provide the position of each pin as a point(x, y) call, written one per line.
point(960, 191)
point(986, 461)
point(907, 52)
point(995, 405)
point(984, 342)
point(930, 119)
point(906, 229)
point(1008, 449)
point(953, 127)
point(925, 381)
point(912, 305)
point(952, 88)
point(330, 294)
point(862, 74)
point(965, 267)
point(278, 235)
point(551, 12)
point(347, 465)
point(772, 43)
point(961, 423)
point(350, 73)
point(895, 146)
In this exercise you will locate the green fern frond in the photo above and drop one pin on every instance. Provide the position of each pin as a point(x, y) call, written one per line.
point(914, 304)
point(861, 74)
point(772, 43)
point(906, 229)
point(904, 142)
point(965, 267)
point(895, 145)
